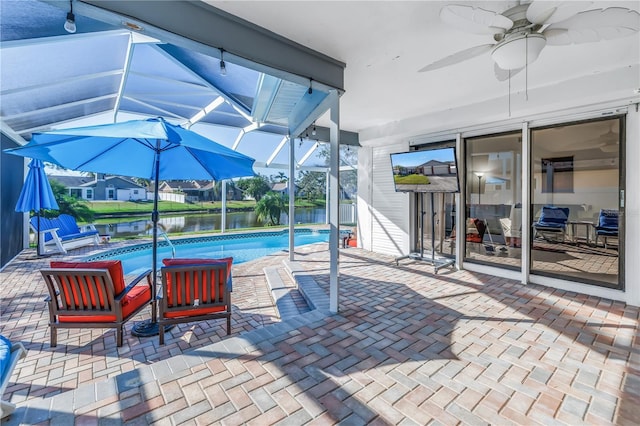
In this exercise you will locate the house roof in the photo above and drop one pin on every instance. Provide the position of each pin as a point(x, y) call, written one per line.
point(117, 182)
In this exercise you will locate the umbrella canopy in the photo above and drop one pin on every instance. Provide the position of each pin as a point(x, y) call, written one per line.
point(36, 195)
point(129, 149)
point(36, 192)
point(152, 149)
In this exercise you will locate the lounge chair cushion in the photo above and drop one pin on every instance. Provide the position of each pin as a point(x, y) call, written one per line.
point(608, 222)
point(189, 262)
point(113, 266)
point(553, 217)
point(136, 297)
point(5, 355)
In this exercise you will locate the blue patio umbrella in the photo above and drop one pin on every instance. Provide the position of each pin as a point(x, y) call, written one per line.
point(36, 195)
point(152, 149)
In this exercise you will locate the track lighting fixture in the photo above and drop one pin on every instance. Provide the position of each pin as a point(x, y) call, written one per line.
point(223, 66)
point(70, 23)
point(310, 91)
point(313, 132)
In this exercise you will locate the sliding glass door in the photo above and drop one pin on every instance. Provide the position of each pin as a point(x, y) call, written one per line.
point(577, 204)
point(493, 218)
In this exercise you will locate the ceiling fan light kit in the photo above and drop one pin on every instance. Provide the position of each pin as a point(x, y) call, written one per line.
point(518, 50)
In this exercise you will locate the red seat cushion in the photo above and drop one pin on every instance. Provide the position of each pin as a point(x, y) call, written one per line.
point(195, 312)
point(184, 262)
point(136, 297)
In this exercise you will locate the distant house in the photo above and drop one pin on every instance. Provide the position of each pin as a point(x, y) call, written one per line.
point(283, 188)
point(435, 167)
point(199, 190)
point(102, 188)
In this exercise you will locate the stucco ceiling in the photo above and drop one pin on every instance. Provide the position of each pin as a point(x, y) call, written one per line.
point(384, 44)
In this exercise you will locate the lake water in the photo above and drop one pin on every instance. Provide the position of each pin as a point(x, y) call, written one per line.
point(203, 222)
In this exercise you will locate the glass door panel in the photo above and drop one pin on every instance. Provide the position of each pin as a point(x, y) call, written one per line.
point(575, 190)
point(493, 214)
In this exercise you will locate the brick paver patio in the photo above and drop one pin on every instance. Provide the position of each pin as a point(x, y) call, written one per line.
point(408, 347)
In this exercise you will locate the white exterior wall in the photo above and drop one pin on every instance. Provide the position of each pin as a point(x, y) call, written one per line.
point(384, 215)
point(385, 226)
point(128, 194)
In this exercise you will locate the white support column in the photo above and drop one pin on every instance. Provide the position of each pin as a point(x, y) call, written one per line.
point(223, 224)
point(292, 198)
point(461, 201)
point(326, 197)
point(334, 200)
point(631, 204)
point(525, 241)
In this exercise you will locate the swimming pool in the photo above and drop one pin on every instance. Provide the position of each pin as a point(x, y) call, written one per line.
point(242, 247)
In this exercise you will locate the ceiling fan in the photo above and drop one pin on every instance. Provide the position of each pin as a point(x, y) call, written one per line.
point(521, 32)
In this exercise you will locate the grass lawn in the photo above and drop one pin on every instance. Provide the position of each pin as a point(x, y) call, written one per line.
point(123, 208)
point(411, 180)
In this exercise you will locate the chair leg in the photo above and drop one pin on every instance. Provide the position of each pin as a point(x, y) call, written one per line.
point(54, 337)
point(119, 336)
point(161, 333)
point(228, 325)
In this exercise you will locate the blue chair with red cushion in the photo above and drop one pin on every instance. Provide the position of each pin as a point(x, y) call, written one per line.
point(552, 221)
point(93, 295)
point(607, 225)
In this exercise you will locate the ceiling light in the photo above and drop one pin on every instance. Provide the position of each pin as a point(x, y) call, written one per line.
point(310, 91)
point(313, 132)
point(70, 23)
point(518, 50)
point(223, 66)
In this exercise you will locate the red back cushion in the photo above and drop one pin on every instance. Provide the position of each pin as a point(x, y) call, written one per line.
point(114, 267)
point(184, 262)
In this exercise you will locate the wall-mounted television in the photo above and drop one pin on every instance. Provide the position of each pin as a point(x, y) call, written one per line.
point(429, 170)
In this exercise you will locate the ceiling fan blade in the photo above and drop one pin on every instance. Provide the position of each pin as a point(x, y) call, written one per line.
point(502, 74)
point(463, 55)
point(594, 25)
point(474, 19)
point(550, 12)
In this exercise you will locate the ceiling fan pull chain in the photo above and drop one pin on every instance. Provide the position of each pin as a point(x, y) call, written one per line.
point(526, 68)
point(509, 96)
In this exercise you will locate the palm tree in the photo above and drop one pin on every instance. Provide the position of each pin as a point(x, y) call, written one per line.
point(269, 208)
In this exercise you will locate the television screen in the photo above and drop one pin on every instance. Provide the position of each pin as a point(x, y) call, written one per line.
point(431, 170)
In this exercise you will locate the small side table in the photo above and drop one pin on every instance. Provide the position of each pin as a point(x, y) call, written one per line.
point(588, 226)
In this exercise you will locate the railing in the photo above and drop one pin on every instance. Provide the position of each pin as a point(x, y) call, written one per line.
point(166, 238)
point(348, 213)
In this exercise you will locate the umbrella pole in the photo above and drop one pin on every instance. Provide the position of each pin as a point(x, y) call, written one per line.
point(150, 328)
point(154, 249)
point(38, 234)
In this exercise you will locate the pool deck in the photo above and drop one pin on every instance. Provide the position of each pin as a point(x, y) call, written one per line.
point(408, 347)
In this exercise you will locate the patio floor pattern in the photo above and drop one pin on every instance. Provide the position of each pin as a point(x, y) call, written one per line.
point(408, 347)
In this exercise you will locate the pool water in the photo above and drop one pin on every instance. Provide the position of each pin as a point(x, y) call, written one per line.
point(242, 247)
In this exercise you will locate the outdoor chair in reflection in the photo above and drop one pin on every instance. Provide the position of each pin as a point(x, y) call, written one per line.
point(195, 290)
point(607, 225)
point(552, 223)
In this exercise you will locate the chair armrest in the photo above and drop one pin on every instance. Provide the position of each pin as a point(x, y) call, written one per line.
point(50, 230)
point(133, 283)
point(48, 298)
